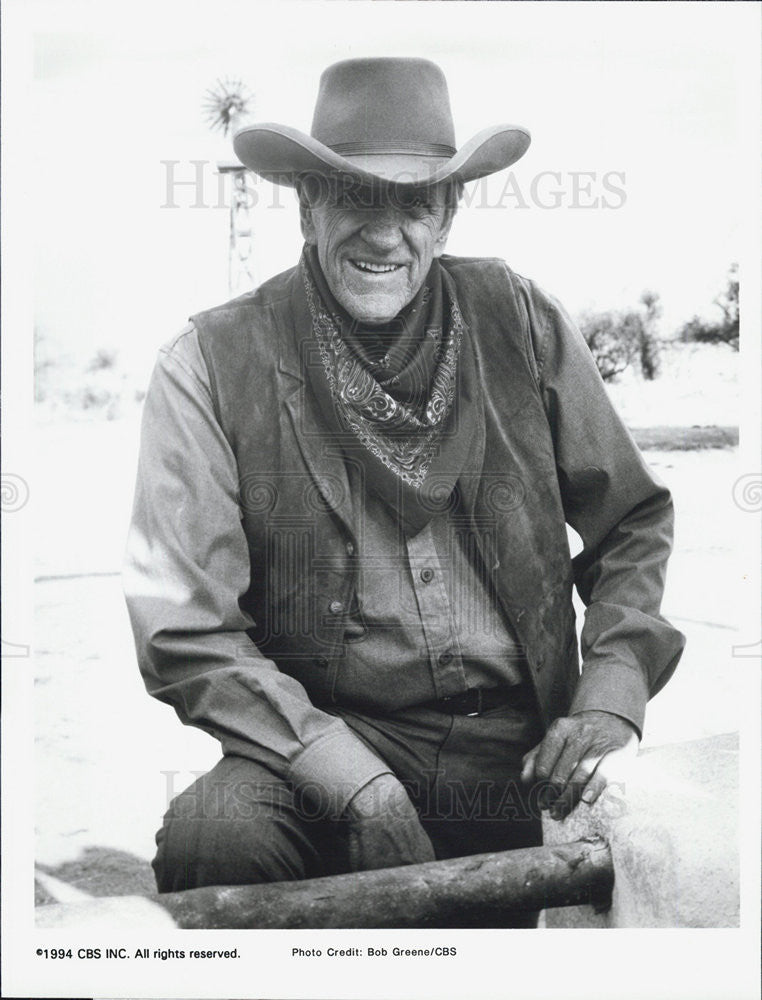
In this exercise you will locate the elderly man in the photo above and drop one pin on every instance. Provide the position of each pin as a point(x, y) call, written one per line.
point(348, 560)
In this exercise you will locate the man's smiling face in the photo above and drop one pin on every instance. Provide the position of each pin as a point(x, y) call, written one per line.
point(376, 247)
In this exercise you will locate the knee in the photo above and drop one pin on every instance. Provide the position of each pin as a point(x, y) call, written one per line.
point(206, 839)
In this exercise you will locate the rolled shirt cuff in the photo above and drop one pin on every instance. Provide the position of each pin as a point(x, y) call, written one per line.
point(330, 771)
point(615, 688)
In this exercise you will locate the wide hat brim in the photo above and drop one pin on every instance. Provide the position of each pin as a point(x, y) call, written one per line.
point(280, 154)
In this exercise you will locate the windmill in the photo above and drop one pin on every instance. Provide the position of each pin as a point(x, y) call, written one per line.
point(227, 104)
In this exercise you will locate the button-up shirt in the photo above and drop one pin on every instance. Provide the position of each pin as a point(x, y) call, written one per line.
point(189, 569)
point(425, 608)
point(424, 605)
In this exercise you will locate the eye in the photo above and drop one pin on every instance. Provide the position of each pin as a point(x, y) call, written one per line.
point(354, 197)
point(417, 202)
point(414, 199)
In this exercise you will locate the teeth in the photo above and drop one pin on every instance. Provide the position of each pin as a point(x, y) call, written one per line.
point(366, 265)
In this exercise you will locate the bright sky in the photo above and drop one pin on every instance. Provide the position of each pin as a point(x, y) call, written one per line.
point(651, 93)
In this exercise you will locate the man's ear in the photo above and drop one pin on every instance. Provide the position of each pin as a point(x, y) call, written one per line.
point(444, 230)
point(305, 218)
point(453, 195)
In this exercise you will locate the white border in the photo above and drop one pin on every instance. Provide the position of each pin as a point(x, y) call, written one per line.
point(571, 964)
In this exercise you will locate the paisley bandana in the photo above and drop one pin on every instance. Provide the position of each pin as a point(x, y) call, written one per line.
point(396, 396)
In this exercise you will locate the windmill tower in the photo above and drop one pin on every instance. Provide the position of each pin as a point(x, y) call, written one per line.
point(228, 104)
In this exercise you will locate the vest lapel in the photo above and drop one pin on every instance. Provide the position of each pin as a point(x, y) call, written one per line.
point(322, 455)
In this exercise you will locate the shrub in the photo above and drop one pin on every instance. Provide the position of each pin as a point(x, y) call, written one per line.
point(727, 329)
point(625, 338)
point(612, 338)
point(103, 360)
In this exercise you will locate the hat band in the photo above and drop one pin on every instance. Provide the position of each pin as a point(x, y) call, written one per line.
point(369, 148)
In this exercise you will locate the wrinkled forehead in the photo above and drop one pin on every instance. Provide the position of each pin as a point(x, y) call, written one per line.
point(349, 191)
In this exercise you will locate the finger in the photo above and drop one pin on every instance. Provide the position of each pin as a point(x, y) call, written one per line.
point(616, 764)
point(592, 776)
point(548, 753)
point(575, 749)
point(549, 750)
point(527, 771)
point(576, 787)
point(529, 778)
point(594, 787)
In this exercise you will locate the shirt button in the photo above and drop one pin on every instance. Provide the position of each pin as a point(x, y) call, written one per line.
point(444, 658)
point(335, 607)
point(321, 661)
point(427, 574)
point(350, 549)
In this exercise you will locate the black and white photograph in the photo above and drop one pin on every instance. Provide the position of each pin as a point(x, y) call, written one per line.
point(381, 499)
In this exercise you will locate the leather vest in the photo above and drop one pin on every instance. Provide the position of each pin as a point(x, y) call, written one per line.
point(300, 518)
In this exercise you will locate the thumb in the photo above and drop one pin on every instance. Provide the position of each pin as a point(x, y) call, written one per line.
point(617, 764)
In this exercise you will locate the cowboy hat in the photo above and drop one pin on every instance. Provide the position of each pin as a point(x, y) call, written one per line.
point(377, 120)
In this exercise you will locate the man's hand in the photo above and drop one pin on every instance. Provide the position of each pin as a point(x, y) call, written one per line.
point(577, 758)
point(384, 830)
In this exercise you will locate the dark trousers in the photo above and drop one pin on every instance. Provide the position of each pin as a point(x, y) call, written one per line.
point(240, 824)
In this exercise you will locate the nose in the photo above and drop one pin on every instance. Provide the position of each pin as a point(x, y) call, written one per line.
point(382, 231)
